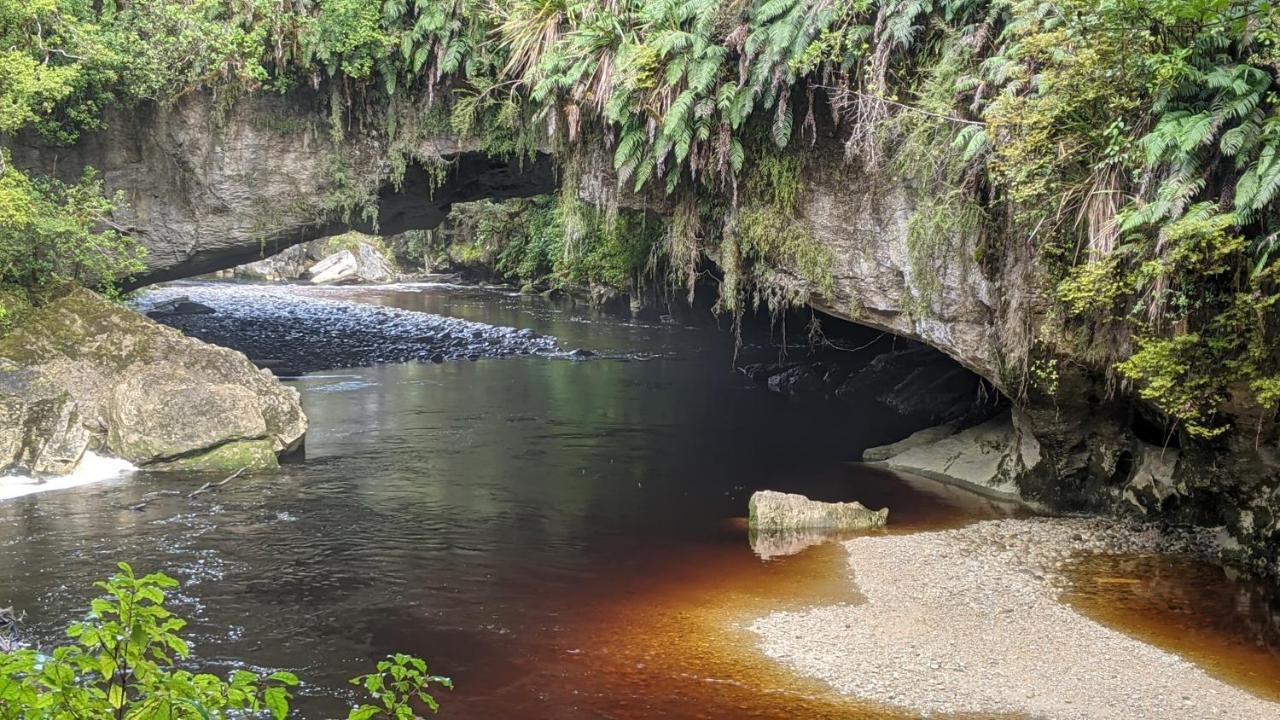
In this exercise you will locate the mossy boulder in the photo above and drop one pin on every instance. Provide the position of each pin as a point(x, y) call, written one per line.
point(84, 373)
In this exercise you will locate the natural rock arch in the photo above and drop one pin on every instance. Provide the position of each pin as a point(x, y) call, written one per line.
point(209, 188)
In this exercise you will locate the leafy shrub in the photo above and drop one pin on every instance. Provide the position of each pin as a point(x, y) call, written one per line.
point(53, 232)
point(122, 664)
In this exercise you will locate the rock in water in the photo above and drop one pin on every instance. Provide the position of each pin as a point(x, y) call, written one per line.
point(769, 510)
point(83, 373)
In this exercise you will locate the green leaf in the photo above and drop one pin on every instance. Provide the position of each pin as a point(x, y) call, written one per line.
point(277, 701)
point(285, 677)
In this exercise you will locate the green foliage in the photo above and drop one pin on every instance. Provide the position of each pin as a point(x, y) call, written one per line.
point(554, 242)
point(1092, 288)
point(400, 682)
point(769, 257)
point(53, 232)
point(1130, 149)
point(122, 663)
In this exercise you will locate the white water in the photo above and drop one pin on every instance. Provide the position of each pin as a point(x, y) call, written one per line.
point(92, 468)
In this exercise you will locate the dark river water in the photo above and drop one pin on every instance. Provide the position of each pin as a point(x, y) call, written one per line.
point(558, 536)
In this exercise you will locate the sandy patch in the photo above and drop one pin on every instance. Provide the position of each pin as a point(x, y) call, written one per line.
point(968, 621)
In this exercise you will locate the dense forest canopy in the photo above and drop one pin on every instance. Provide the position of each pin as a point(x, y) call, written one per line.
point(1133, 146)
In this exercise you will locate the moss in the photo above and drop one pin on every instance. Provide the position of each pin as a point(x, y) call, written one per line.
point(228, 457)
point(768, 247)
point(15, 305)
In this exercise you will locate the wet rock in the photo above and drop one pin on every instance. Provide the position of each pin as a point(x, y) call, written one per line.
point(41, 431)
point(761, 372)
point(799, 379)
point(582, 353)
point(84, 373)
point(772, 511)
point(179, 306)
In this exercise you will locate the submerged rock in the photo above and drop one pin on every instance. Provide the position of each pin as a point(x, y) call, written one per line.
point(770, 511)
point(83, 373)
point(179, 306)
point(799, 379)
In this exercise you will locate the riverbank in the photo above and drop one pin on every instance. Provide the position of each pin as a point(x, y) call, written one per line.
point(969, 621)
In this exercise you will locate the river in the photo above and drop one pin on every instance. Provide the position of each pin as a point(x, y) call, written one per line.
point(560, 536)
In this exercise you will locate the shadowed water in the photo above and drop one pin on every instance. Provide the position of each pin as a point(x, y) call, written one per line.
point(557, 536)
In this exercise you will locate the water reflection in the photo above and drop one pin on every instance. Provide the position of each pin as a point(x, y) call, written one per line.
point(1228, 624)
point(557, 536)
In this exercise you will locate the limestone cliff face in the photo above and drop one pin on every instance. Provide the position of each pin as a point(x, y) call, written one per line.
point(1089, 445)
point(212, 189)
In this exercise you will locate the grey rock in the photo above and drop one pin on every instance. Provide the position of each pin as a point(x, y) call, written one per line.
point(772, 511)
point(364, 264)
point(175, 308)
point(161, 413)
point(799, 379)
point(926, 436)
point(213, 186)
point(989, 458)
point(288, 264)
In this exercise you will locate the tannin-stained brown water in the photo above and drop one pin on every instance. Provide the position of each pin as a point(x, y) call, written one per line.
point(560, 537)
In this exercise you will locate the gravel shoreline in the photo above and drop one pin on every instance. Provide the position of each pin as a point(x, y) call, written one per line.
point(968, 621)
point(305, 328)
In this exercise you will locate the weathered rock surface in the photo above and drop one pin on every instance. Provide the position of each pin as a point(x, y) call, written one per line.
point(288, 264)
point(990, 457)
point(927, 436)
point(211, 187)
point(363, 264)
point(772, 511)
point(83, 373)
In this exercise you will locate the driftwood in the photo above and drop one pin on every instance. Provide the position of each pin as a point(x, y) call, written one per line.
point(212, 485)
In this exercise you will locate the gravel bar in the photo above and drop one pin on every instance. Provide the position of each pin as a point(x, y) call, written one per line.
point(968, 621)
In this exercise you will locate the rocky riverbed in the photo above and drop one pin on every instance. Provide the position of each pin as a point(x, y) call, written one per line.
point(294, 329)
point(969, 621)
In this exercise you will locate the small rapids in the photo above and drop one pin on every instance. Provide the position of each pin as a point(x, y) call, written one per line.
point(295, 328)
point(92, 468)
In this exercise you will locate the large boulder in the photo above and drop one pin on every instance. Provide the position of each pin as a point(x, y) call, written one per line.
point(83, 373)
point(363, 264)
point(771, 511)
point(288, 264)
